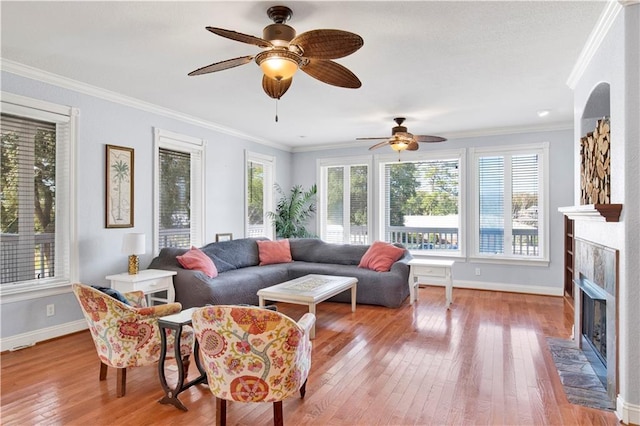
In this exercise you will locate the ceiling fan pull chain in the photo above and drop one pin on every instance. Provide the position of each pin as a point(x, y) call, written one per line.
point(276, 110)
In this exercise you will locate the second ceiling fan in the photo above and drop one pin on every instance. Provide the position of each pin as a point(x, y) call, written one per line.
point(402, 140)
point(284, 52)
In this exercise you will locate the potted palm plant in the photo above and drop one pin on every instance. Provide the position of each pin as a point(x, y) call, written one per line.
point(293, 212)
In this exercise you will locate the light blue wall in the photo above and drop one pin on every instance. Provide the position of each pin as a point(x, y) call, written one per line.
point(547, 279)
point(104, 122)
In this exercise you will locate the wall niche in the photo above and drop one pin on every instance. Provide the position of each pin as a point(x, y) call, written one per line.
point(595, 165)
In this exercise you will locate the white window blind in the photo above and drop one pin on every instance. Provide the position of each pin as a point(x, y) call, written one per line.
point(36, 209)
point(179, 191)
point(510, 202)
point(175, 199)
point(344, 200)
point(260, 170)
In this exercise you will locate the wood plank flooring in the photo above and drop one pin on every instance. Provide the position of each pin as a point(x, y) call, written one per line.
point(485, 361)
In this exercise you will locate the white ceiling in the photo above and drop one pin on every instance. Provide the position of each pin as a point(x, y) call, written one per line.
point(451, 68)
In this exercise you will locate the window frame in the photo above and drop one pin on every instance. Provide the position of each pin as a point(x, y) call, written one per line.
point(66, 241)
point(541, 149)
point(322, 164)
point(382, 159)
point(268, 201)
point(196, 148)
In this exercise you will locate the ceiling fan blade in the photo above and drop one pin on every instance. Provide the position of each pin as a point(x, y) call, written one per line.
point(327, 44)
point(223, 65)
point(379, 145)
point(275, 88)
point(413, 146)
point(331, 73)
point(427, 138)
point(371, 139)
point(244, 38)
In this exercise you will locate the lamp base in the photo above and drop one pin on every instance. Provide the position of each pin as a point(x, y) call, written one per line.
point(133, 264)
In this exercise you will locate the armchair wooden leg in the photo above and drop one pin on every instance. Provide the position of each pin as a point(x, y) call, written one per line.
point(303, 389)
point(221, 412)
point(121, 383)
point(185, 365)
point(103, 371)
point(277, 414)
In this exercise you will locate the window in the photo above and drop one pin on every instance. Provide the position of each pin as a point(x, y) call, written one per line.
point(510, 202)
point(344, 200)
point(179, 191)
point(260, 171)
point(37, 220)
point(421, 202)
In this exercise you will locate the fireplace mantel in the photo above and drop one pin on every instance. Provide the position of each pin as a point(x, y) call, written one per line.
point(606, 212)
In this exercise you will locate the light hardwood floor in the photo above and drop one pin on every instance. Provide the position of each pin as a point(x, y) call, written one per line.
point(485, 361)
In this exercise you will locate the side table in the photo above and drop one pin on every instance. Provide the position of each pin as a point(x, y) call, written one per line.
point(436, 271)
point(149, 281)
point(176, 322)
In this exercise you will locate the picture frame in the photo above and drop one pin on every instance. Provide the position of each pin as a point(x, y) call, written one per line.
point(119, 187)
point(224, 237)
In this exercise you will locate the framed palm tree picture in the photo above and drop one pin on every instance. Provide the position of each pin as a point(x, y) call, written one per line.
point(119, 190)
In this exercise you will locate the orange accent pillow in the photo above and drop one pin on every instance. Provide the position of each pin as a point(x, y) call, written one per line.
point(196, 259)
point(270, 252)
point(380, 256)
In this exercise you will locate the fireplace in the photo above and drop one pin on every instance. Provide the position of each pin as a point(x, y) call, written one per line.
point(596, 276)
point(593, 336)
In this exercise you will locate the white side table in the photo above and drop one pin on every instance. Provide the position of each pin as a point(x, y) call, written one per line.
point(435, 271)
point(149, 281)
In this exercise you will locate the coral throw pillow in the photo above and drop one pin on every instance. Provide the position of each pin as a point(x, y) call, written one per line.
point(380, 256)
point(274, 252)
point(196, 259)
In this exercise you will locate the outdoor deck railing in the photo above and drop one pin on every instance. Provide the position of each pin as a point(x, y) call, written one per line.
point(524, 243)
point(15, 263)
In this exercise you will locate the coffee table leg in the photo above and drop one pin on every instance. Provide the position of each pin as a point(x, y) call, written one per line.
point(353, 298)
point(260, 301)
point(312, 309)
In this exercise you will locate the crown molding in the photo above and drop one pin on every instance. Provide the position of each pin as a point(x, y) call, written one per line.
point(98, 92)
point(599, 32)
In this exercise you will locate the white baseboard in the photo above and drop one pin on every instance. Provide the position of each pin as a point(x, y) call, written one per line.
point(627, 413)
point(510, 288)
point(19, 341)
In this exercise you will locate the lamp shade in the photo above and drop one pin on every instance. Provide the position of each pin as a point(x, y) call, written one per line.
point(133, 244)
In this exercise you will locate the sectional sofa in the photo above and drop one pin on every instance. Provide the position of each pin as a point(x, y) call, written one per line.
point(240, 275)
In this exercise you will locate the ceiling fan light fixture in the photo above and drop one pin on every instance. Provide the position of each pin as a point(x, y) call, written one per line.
point(278, 64)
point(399, 146)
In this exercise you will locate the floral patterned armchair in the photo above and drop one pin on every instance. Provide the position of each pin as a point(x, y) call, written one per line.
point(128, 336)
point(253, 355)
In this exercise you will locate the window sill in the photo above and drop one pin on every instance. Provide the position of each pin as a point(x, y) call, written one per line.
point(11, 293)
point(510, 261)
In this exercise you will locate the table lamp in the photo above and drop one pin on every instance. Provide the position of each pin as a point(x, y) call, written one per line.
point(133, 245)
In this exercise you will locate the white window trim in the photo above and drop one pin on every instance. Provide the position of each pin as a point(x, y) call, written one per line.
point(382, 159)
point(195, 147)
point(321, 165)
point(542, 148)
point(66, 219)
point(268, 162)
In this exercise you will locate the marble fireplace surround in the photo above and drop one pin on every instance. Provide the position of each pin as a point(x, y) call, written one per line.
point(599, 265)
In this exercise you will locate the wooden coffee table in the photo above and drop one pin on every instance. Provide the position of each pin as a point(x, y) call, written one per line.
point(310, 290)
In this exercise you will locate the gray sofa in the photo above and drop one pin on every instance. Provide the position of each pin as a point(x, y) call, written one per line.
point(239, 276)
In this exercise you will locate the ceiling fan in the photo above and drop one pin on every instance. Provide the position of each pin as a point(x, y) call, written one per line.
point(284, 52)
point(401, 139)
